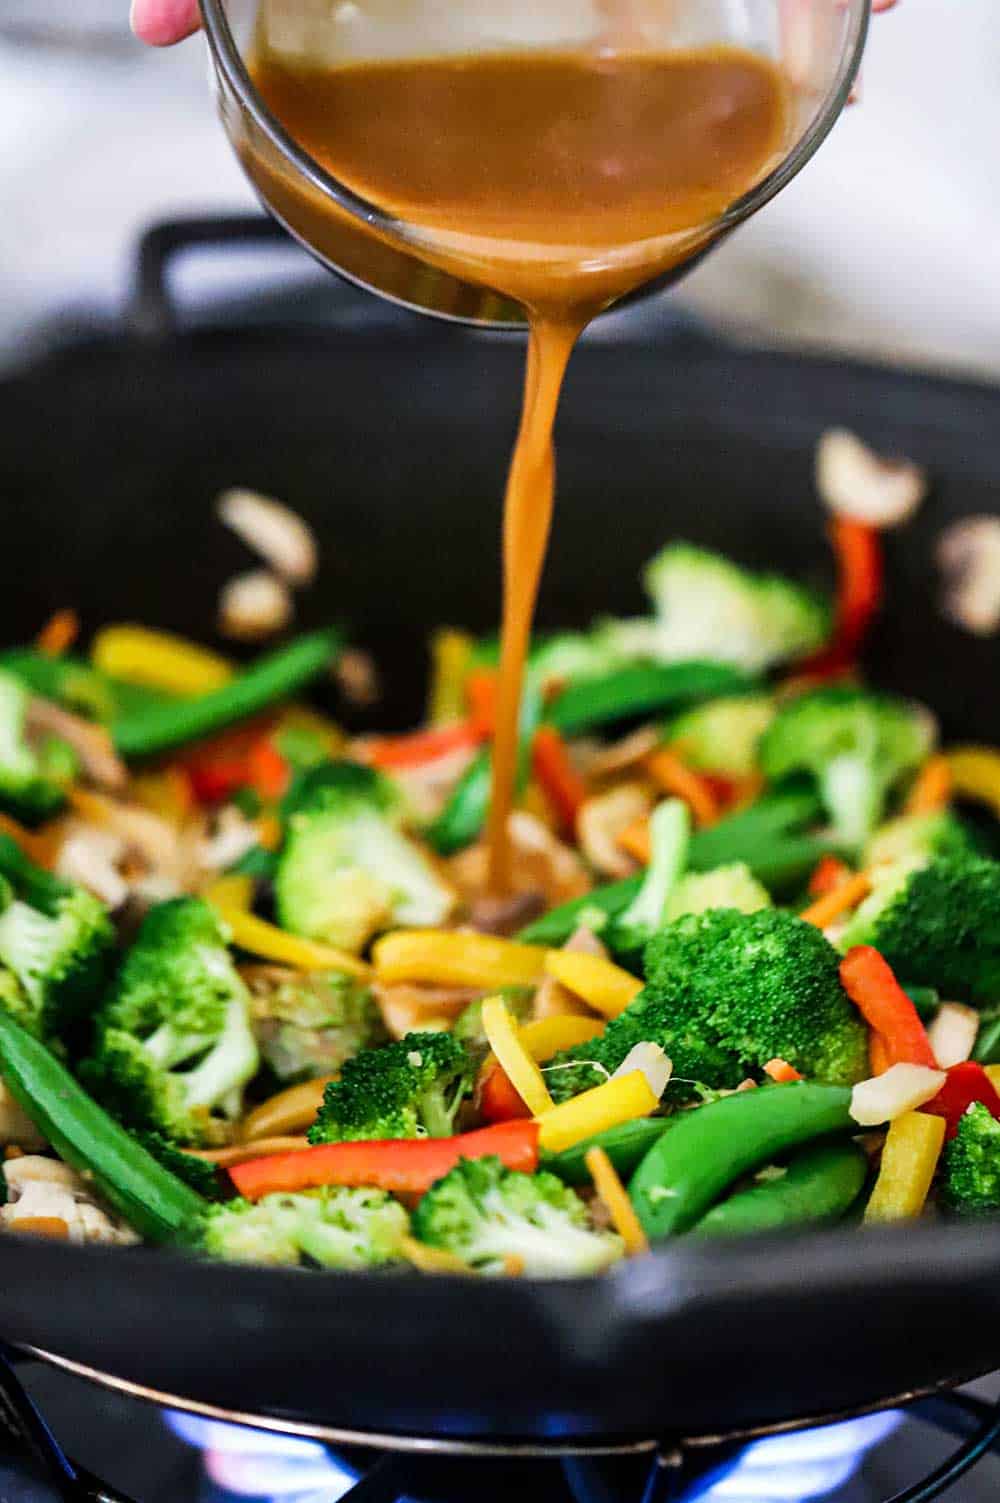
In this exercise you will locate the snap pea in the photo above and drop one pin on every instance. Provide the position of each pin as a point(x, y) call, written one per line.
point(643, 689)
point(709, 1148)
point(760, 836)
point(79, 686)
point(625, 1145)
point(819, 1185)
point(987, 1050)
point(463, 817)
point(158, 1205)
point(163, 727)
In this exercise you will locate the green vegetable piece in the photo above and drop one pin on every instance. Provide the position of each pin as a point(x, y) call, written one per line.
point(914, 840)
point(33, 778)
point(56, 943)
point(639, 690)
point(78, 686)
point(723, 736)
point(174, 1047)
point(309, 1023)
point(463, 817)
point(347, 870)
point(162, 727)
point(333, 1227)
point(403, 1090)
point(857, 745)
point(709, 1148)
point(733, 886)
point(200, 1174)
point(625, 1145)
point(971, 1180)
point(670, 836)
point(486, 1213)
point(158, 1205)
point(819, 1186)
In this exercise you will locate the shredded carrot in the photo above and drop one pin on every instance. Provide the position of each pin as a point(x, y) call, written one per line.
point(432, 1259)
point(674, 777)
point(481, 698)
point(781, 1071)
point(828, 874)
point(42, 1226)
point(562, 785)
point(635, 840)
point(58, 634)
point(417, 748)
point(611, 1190)
point(829, 907)
point(932, 789)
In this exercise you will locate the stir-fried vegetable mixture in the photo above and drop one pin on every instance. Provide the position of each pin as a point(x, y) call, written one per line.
point(257, 1000)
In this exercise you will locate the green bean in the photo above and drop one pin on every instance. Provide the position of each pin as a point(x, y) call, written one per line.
point(643, 689)
point(625, 1145)
point(79, 686)
point(707, 1149)
point(820, 1185)
point(159, 1206)
point(163, 727)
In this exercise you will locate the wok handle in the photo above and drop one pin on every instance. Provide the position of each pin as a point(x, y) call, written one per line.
point(152, 313)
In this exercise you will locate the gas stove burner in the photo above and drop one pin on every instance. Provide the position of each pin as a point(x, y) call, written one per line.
point(250, 1461)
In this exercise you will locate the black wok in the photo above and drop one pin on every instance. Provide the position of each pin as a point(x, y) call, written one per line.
point(393, 444)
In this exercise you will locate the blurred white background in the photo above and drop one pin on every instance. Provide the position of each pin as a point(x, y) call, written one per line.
point(886, 244)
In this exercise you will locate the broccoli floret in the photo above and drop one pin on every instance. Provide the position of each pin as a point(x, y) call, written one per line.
point(724, 735)
point(733, 886)
point(347, 870)
point(971, 1181)
point(916, 839)
point(174, 1047)
point(485, 1213)
point(857, 746)
point(200, 1174)
point(938, 926)
point(34, 773)
point(708, 607)
point(55, 943)
point(726, 992)
point(307, 1023)
point(403, 1090)
point(333, 1227)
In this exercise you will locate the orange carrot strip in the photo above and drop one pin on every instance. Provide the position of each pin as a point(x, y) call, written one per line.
point(828, 874)
point(848, 895)
point(674, 777)
point(635, 840)
point(481, 698)
point(780, 1070)
point(561, 783)
point(420, 747)
point(932, 789)
point(58, 634)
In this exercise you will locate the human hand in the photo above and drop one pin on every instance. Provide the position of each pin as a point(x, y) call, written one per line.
point(161, 22)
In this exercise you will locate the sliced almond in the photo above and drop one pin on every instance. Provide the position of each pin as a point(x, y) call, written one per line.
point(602, 819)
point(254, 606)
point(274, 531)
point(968, 554)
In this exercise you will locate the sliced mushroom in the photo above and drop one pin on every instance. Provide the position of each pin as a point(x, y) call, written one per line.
point(92, 743)
point(624, 755)
point(968, 554)
point(540, 863)
point(505, 916)
point(91, 858)
point(412, 1009)
point(602, 819)
point(43, 1192)
point(274, 531)
point(254, 606)
point(552, 999)
point(855, 482)
point(231, 838)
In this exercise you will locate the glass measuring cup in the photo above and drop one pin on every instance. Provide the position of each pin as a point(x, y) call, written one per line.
point(816, 43)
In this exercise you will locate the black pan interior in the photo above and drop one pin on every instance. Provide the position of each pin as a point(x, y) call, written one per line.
point(394, 446)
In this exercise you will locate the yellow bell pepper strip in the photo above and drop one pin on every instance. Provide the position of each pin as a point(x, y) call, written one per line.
point(432, 1259)
point(547, 1036)
point(621, 1210)
point(451, 657)
point(258, 937)
point(233, 891)
point(595, 1111)
point(158, 660)
point(603, 986)
point(975, 774)
point(993, 1071)
point(289, 1111)
point(448, 958)
point(515, 1061)
point(909, 1158)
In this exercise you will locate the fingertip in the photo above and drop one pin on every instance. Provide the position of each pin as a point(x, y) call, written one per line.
point(160, 23)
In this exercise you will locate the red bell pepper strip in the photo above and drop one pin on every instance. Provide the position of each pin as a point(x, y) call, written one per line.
point(829, 873)
point(481, 697)
point(498, 1100)
point(404, 1166)
point(421, 747)
point(869, 982)
point(245, 758)
point(859, 593)
point(966, 1083)
point(562, 785)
